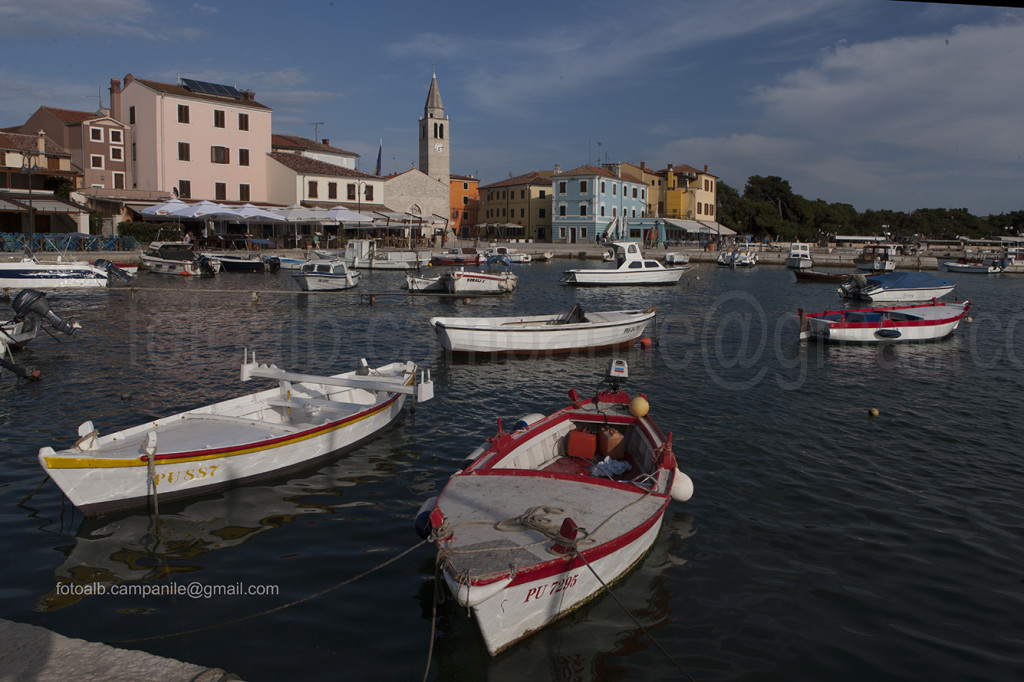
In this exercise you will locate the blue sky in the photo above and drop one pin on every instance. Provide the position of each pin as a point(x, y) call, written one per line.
point(883, 105)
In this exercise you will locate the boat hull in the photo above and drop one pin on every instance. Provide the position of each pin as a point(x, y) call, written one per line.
point(607, 277)
point(327, 282)
point(461, 282)
point(540, 334)
point(927, 322)
point(974, 268)
point(34, 275)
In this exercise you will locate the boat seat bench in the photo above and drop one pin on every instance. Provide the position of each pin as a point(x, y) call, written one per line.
point(330, 405)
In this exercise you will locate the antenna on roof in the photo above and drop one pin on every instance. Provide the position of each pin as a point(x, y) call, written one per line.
point(316, 130)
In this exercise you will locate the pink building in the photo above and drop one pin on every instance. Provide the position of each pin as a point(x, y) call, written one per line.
point(203, 140)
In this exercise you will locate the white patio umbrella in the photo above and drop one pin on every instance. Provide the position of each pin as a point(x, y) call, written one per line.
point(247, 213)
point(163, 209)
point(344, 215)
point(201, 211)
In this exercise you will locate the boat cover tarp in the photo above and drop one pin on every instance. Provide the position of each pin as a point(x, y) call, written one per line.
point(907, 280)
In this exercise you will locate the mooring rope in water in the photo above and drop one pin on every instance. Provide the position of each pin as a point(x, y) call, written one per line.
point(282, 607)
point(635, 621)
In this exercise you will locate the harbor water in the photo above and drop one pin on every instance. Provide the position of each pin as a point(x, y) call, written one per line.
point(820, 543)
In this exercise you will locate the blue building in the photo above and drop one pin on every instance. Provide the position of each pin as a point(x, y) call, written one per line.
point(586, 200)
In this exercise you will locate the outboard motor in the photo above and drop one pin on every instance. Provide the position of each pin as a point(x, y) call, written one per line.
point(113, 271)
point(30, 301)
point(205, 266)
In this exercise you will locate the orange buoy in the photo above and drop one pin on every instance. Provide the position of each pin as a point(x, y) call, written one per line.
point(644, 342)
point(639, 407)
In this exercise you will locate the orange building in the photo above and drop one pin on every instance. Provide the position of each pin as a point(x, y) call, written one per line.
point(465, 204)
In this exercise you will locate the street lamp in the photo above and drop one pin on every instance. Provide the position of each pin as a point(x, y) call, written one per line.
point(28, 165)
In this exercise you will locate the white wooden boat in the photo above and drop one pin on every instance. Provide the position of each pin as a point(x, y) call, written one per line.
point(305, 418)
point(541, 334)
point(738, 258)
point(514, 256)
point(289, 263)
point(896, 287)
point(544, 256)
point(178, 258)
point(877, 258)
point(677, 258)
point(631, 268)
point(799, 256)
point(325, 275)
point(922, 322)
point(541, 516)
point(985, 266)
point(463, 281)
point(29, 272)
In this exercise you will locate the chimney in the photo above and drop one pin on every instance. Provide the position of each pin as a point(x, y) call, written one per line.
point(558, 169)
point(128, 78)
point(41, 141)
point(705, 168)
point(115, 98)
point(327, 143)
point(643, 165)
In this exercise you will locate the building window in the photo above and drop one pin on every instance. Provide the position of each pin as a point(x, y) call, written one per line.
point(583, 233)
point(131, 115)
point(522, 213)
point(218, 118)
point(243, 121)
point(634, 192)
point(561, 210)
point(522, 194)
point(602, 209)
point(117, 153)
point(96, 161)
point(220, 155)
point(465, 201)
point(465, 185)
point(583, 186)
point(368, 193)
point(542, 213)
point(243, 192)
point(96, 134)
point(351, 192)
point(700, 209)
point(243, 157)
point(184, 152)
point(332, 190)
point(184, 189)
point(118, 180)
point(583, 209)
point(602, 187)
point(115, 137)
point(220, 191)
point(561, 232)
point(561, 187)
point(543, 194)
point(311, 193)
point(182, 113)
point(615, 189)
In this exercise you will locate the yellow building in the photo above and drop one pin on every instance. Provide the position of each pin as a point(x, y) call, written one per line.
point(687, 193)
point(519, 207)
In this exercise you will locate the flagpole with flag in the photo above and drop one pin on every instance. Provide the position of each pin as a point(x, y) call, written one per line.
point(379, 151)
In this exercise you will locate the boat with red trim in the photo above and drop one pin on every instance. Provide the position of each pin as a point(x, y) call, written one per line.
point(541, 518)
point(922, 322)
point(305, 418)
point(466, 255)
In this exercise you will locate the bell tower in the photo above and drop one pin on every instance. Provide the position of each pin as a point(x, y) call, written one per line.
point(435, 137)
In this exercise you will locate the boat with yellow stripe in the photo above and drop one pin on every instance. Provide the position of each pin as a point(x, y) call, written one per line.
point(305, 418)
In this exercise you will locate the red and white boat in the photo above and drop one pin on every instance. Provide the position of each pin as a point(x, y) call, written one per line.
point(922, 322)
point(543, 517)
point(466, 255)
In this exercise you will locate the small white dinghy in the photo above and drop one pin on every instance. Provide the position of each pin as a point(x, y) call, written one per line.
point(541, 334)
point(326, 275)
point(305, 418)
point(924, 322)
point(541, 516)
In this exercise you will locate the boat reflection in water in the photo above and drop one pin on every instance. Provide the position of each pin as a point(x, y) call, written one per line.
point(135, 547)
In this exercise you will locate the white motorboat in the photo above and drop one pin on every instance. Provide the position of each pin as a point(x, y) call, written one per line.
point(985, 266)
point(466, 255)
point(677, 258)
point(631, 268)
point(29, 271)
point(367, 254)
point(738, 258)
point(178, 258)
point(877, 258)
point(542, 334)
point(540, 518)
point(799, 256)
point(303, 419)
point(430, 285)
point(923, 322)
point(513, 255)
point(895, 287)
point(326, 275)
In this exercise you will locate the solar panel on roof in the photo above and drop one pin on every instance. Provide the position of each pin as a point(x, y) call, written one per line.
point(210, 88)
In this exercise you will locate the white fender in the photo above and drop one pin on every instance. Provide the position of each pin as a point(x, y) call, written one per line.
point(682, 487)
point(528, 420)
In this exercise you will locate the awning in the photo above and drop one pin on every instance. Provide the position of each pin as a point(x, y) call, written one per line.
point(700, 227)
point(53, 206)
